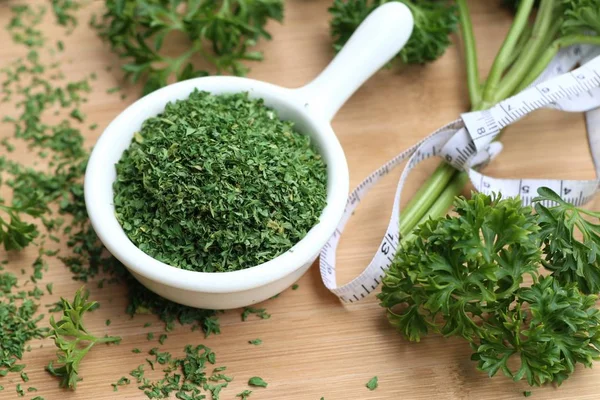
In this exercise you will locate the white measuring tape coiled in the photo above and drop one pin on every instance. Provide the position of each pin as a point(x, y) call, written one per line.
point(467, 144)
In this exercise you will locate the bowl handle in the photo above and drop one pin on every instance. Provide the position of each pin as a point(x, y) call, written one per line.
point(376, 41)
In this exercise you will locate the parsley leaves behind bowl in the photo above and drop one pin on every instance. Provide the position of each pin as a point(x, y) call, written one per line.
point(218, 183)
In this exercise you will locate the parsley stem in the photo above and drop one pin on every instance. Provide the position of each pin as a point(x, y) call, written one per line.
point(442, 202)
point(523, 40)
point(425, 197)
point(428, 195)
point(546, 57)
point(528, 55)
point(504, 55)
point(470, 52)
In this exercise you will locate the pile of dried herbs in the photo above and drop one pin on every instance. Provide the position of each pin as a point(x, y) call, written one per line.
point(218, 183)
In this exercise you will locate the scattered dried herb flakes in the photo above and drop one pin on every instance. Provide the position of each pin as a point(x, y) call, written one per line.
point(225, 186)
point(121, 382)
point(259, 312)
point(257, 381)
point(372, 384)
point(18, 325)
point(244, 395)
point(162, 338)
point(143, 301)
point(185, 377)
point(64, 12)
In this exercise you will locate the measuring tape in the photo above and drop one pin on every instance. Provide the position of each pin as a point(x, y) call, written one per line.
point(468, 144)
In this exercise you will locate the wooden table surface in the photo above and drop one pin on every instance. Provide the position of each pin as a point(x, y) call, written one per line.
point(313, 346)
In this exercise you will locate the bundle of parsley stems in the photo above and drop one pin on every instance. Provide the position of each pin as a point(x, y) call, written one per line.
point(530, 45)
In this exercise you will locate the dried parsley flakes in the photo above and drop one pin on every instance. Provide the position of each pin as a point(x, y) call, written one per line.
point(257, 381)
point(372, 384)
point(218, 183)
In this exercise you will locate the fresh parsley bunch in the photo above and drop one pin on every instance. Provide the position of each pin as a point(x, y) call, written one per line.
point(464, 276)
point(434, 22)
point(222, 33)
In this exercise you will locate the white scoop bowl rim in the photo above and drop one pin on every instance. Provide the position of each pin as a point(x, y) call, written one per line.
point(102, 215)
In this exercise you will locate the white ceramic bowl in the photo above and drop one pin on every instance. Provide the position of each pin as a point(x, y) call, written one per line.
point(311, 108)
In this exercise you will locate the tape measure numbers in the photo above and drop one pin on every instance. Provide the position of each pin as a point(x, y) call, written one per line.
point(468, 144)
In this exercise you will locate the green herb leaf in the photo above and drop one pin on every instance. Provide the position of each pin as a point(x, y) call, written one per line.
point(257, 381)
point(569, 259)
point(162, 338)
point(259, 312)
point(245, 395)
point(372, 384)
point(255, 342)
point(434, 23)
point(72, 339)
point(137, 29)
point(463, 275)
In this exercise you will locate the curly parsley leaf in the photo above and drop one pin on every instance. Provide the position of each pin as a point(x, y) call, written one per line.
point(550, 329)
point(581, 17)
point(434, 22)
point(464, 275)
point(569, 259)
point(461, 267)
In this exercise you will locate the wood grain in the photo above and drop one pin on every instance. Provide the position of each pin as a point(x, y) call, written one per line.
point(313, 346)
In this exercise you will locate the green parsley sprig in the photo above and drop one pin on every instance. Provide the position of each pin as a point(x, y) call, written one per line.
point(464, 276)
point(434, 22)
point(550, 329)
point(72, 339)
point(569, 259)
point(222, 33)
point(16, 234)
